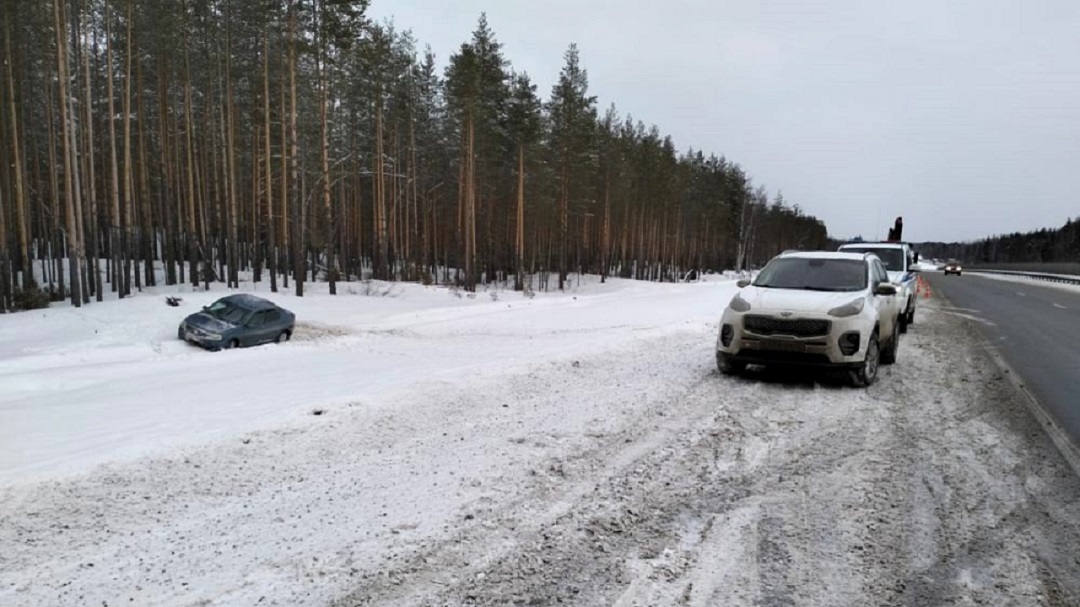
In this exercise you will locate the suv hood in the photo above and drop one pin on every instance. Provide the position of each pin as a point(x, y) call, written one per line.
point(210, 323)
point(794, 300)
point(897, 277)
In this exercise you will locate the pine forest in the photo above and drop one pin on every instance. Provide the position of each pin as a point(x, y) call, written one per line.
point(290, 141)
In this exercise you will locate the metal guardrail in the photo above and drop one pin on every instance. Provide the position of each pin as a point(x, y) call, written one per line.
point(1060, 278)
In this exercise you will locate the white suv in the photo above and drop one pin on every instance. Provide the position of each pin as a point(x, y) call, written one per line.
point(819, 309)
point(899, 260)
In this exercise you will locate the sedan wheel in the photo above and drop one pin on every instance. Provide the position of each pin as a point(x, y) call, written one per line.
point(282, 337)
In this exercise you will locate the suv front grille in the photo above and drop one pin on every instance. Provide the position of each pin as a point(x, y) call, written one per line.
point(797, 327)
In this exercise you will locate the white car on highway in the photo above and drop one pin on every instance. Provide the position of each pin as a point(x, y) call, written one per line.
point(825, 309)
point(900, 262)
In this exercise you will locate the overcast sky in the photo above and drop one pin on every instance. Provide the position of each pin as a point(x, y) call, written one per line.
point(961, 116)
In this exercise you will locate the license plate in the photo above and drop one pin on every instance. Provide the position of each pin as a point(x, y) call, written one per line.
point(780, 345)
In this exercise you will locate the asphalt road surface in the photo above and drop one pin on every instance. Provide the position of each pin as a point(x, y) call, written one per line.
point(1036, 329)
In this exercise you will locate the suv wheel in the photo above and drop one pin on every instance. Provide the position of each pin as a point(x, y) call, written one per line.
point(888, 354)
point(867, 372)
point(727, 366)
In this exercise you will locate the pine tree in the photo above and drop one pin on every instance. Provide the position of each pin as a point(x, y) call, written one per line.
point(477, 91)
point(524, 124)
point(573, 122)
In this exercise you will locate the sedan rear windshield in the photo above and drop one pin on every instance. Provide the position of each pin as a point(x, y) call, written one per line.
point(813, 274)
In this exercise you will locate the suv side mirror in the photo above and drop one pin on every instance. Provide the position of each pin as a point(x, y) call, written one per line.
point(885, 288)
point(743, 283)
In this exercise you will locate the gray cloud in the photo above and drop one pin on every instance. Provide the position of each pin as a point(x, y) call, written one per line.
point(962, 116)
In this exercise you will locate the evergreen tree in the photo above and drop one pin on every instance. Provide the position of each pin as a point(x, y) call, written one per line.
point(573, 125)
point(524, 122)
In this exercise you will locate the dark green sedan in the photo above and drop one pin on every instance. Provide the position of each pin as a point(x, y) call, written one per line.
point(238, 321)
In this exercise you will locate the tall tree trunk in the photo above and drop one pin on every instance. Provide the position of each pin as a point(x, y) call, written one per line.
point(70, 184)
point(5, 267)
point(191, 236)
point(271, 227)
point(381, 235)
point(564, 193)
point(298, 249)
point(129, 200)
point(605, 233)
point(411, 211)
point(324, 154)
point(114, 183)
point(21, 225)
point(56, 240)
point(230, 165)
point(169, 208)
point(95, 249)
point(94, 278)
point(145, 232)
point(519, 283)
point(470, 205)
point(284, 189)
point(254, 245)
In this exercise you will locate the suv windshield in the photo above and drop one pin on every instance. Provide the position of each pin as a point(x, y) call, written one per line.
point(227, 312)
point(893, 258)
point(813, 274)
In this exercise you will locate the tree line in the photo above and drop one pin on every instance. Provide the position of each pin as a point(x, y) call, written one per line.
point(297, 140)
point(1044, 246)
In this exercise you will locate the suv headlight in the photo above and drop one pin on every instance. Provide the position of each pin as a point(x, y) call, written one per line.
point(738, 304)
point(848, 309)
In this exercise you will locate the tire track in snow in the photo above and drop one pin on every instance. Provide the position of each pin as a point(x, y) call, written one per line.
point(778, 492)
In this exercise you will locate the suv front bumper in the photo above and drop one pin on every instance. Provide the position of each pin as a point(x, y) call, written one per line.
point(817, 351)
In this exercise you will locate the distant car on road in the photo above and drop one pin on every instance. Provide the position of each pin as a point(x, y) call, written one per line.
point(823, 309)
point(953, 267)
point(238, 321)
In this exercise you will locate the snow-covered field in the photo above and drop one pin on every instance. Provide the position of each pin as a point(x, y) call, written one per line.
point(574, 448)
point(111, 382)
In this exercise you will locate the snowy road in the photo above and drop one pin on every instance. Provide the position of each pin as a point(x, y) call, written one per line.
point(628, 474)
point(1035, 326)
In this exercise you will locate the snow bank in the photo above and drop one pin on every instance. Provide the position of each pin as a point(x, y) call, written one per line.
point(1031, 281)
point(110, 382)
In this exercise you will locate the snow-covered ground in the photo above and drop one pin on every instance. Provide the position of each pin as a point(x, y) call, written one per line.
point(110, 381)
point(574, 448)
